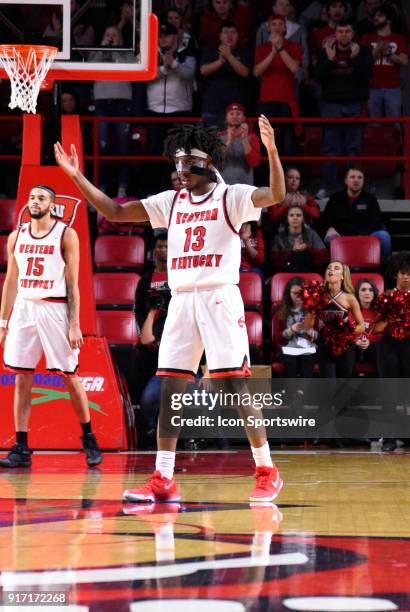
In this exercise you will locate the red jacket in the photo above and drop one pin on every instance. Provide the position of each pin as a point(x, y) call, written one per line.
point(311, 209)
point(210, 26)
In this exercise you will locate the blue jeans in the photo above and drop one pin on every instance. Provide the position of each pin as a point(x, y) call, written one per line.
point(384, 239)
point(385, 102)
point(339, 139)
point(121, 129)
point(150, 401)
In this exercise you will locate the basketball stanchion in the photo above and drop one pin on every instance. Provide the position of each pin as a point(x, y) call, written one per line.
point(27, 67)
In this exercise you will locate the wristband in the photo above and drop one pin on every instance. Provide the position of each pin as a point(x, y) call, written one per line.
point(280, 50)
point(4, 323)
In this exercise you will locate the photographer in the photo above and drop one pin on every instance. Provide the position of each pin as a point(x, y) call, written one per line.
point(151, 305)
point(169, 94)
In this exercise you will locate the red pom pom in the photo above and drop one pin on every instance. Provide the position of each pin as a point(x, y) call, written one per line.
point(394, 308)
point(339, 334)
point(315, 297)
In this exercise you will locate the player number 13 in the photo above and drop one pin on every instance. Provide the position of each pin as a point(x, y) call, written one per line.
point(194, 238)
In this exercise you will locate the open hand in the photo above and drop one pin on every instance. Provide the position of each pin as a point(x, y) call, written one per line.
point(267, 133)
point(68, 163)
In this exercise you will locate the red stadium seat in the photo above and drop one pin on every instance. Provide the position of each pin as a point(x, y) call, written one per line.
point(254, 326)
point(118, 326)
point(3, 252)
point(7, 215)
point(376, 278)
point(358, 252)
point(2, 279)
point(280, 279)
point(115, 289)
point(250, 286)
point(119, 252)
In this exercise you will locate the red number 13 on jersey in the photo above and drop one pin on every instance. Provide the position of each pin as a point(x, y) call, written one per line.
point(194, 238)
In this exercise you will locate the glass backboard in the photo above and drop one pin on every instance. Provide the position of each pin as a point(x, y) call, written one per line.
point(78, 28)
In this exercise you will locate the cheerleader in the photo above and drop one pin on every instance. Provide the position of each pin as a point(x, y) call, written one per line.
point(336, 348)
point(393, 355)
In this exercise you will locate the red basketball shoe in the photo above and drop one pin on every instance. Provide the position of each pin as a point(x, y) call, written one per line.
point(157, 488)
point(268, 484)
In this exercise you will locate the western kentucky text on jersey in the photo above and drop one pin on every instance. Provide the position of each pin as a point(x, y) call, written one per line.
point(204, 247)
point(201, 215)
point(30, 283)
point(196, 261)
point(37, 249)
point(40, 263)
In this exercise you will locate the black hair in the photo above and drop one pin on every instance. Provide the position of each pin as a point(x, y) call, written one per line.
point(189, 136)
point(330, 2)
point(375, 290)
point(46, 188)
point(387, 11)
point(401, 262)
point(158, 237)
point(228, 24)
point(354, 167)
point(346, 21)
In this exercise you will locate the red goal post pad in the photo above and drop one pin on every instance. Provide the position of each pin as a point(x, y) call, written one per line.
point(53, 423)
point(69, 203)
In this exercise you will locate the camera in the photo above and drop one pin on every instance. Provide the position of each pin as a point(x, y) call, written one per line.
point(159, 298)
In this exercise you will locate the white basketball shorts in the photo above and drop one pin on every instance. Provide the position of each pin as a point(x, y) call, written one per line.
point(38, 326)
point(210, 319)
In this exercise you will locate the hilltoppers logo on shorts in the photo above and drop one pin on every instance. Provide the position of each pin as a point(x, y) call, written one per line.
point(65, 208)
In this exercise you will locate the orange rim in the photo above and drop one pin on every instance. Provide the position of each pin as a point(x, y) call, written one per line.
point(25, 49)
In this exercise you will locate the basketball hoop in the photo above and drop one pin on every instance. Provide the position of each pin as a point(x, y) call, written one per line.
point(26, 67)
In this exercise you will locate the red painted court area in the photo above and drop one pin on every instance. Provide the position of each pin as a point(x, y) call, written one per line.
point(327, 543)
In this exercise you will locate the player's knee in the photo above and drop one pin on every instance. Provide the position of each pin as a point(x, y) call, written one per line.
point(24, 381)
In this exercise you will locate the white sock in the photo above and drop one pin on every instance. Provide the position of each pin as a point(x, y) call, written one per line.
point(261, 545)
point(164, 543)
point(262, 456)
point(165, 463)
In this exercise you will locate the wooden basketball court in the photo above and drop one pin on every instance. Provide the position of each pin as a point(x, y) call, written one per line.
point(338, 538)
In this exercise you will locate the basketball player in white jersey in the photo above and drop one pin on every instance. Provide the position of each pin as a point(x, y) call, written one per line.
point(204, 248)
point(40, 313)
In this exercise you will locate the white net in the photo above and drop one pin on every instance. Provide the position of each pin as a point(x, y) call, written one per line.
point(26, 67)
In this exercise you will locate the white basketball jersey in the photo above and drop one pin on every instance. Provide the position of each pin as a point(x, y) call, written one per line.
point(40, 263)
point(204, 249)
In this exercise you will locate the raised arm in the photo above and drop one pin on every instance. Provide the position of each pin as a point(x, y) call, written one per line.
point(275, 193)
point(131, 211)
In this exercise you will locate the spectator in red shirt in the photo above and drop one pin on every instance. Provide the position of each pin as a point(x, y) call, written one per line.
point(277, 62)
point(242, 147)
point(336, 10)
point(252, 247)
point(294, 32)
point(217, 14)
point(389, 52)
point(294, 196)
